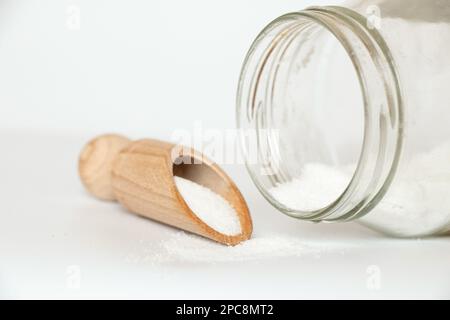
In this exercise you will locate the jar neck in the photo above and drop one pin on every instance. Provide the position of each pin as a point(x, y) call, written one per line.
point(382, 103)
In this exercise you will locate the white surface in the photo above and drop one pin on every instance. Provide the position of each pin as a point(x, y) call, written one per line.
point(145, 69)
point(50, 229)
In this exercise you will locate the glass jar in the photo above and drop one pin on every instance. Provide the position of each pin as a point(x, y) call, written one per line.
point(349, 110)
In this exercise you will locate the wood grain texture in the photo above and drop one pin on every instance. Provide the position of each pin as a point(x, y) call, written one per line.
point(141, 179)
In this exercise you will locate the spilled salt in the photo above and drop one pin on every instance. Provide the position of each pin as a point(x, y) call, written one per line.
point(183, 247)
point(209, 207)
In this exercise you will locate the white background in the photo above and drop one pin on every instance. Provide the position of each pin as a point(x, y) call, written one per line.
point(145, 69)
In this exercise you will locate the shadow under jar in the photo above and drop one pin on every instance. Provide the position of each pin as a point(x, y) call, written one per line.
point(344, 114)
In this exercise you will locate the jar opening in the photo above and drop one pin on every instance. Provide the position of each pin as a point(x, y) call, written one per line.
point(324, 101)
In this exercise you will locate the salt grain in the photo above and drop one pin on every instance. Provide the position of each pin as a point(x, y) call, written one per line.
point(190, 248)
point(209, 207)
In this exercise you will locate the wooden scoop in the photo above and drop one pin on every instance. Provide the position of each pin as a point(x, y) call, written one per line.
point(140, 175)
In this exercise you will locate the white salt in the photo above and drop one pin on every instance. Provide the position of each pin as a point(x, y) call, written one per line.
point(416, 204)
point(195, 249)
point(185, 247)
point(209, 207)
point(316, 188)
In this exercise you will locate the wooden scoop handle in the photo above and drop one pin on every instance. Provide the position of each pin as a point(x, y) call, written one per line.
point(140, 175)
